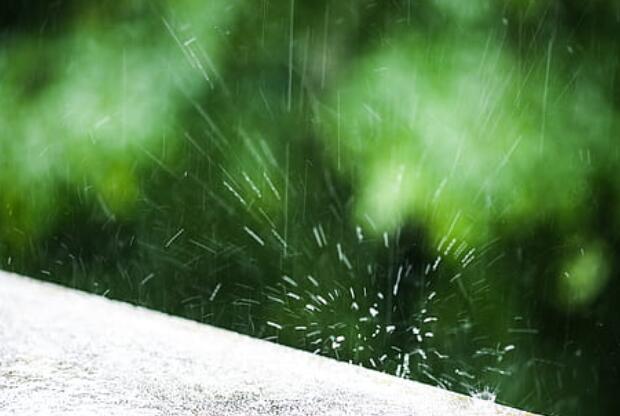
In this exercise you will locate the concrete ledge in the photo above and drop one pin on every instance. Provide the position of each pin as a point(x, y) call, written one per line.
point(71, 353)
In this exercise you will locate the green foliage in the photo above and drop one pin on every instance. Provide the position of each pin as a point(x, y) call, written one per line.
point(426, 188)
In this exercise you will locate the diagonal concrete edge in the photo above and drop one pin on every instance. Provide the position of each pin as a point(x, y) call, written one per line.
point(67, 352)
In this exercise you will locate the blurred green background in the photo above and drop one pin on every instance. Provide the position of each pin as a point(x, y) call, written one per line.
point(427, 188)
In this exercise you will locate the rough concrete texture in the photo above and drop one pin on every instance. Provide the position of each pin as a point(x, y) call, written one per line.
point(64, 352)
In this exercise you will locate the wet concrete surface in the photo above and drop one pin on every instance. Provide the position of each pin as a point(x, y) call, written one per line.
point(64, 352)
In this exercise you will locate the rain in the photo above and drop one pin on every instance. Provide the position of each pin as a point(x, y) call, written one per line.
point(427, 189)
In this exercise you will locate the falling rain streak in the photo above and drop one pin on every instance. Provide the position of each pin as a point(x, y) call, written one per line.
point(427, 189)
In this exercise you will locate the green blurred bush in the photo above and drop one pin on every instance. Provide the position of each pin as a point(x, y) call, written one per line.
point(425, 188)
